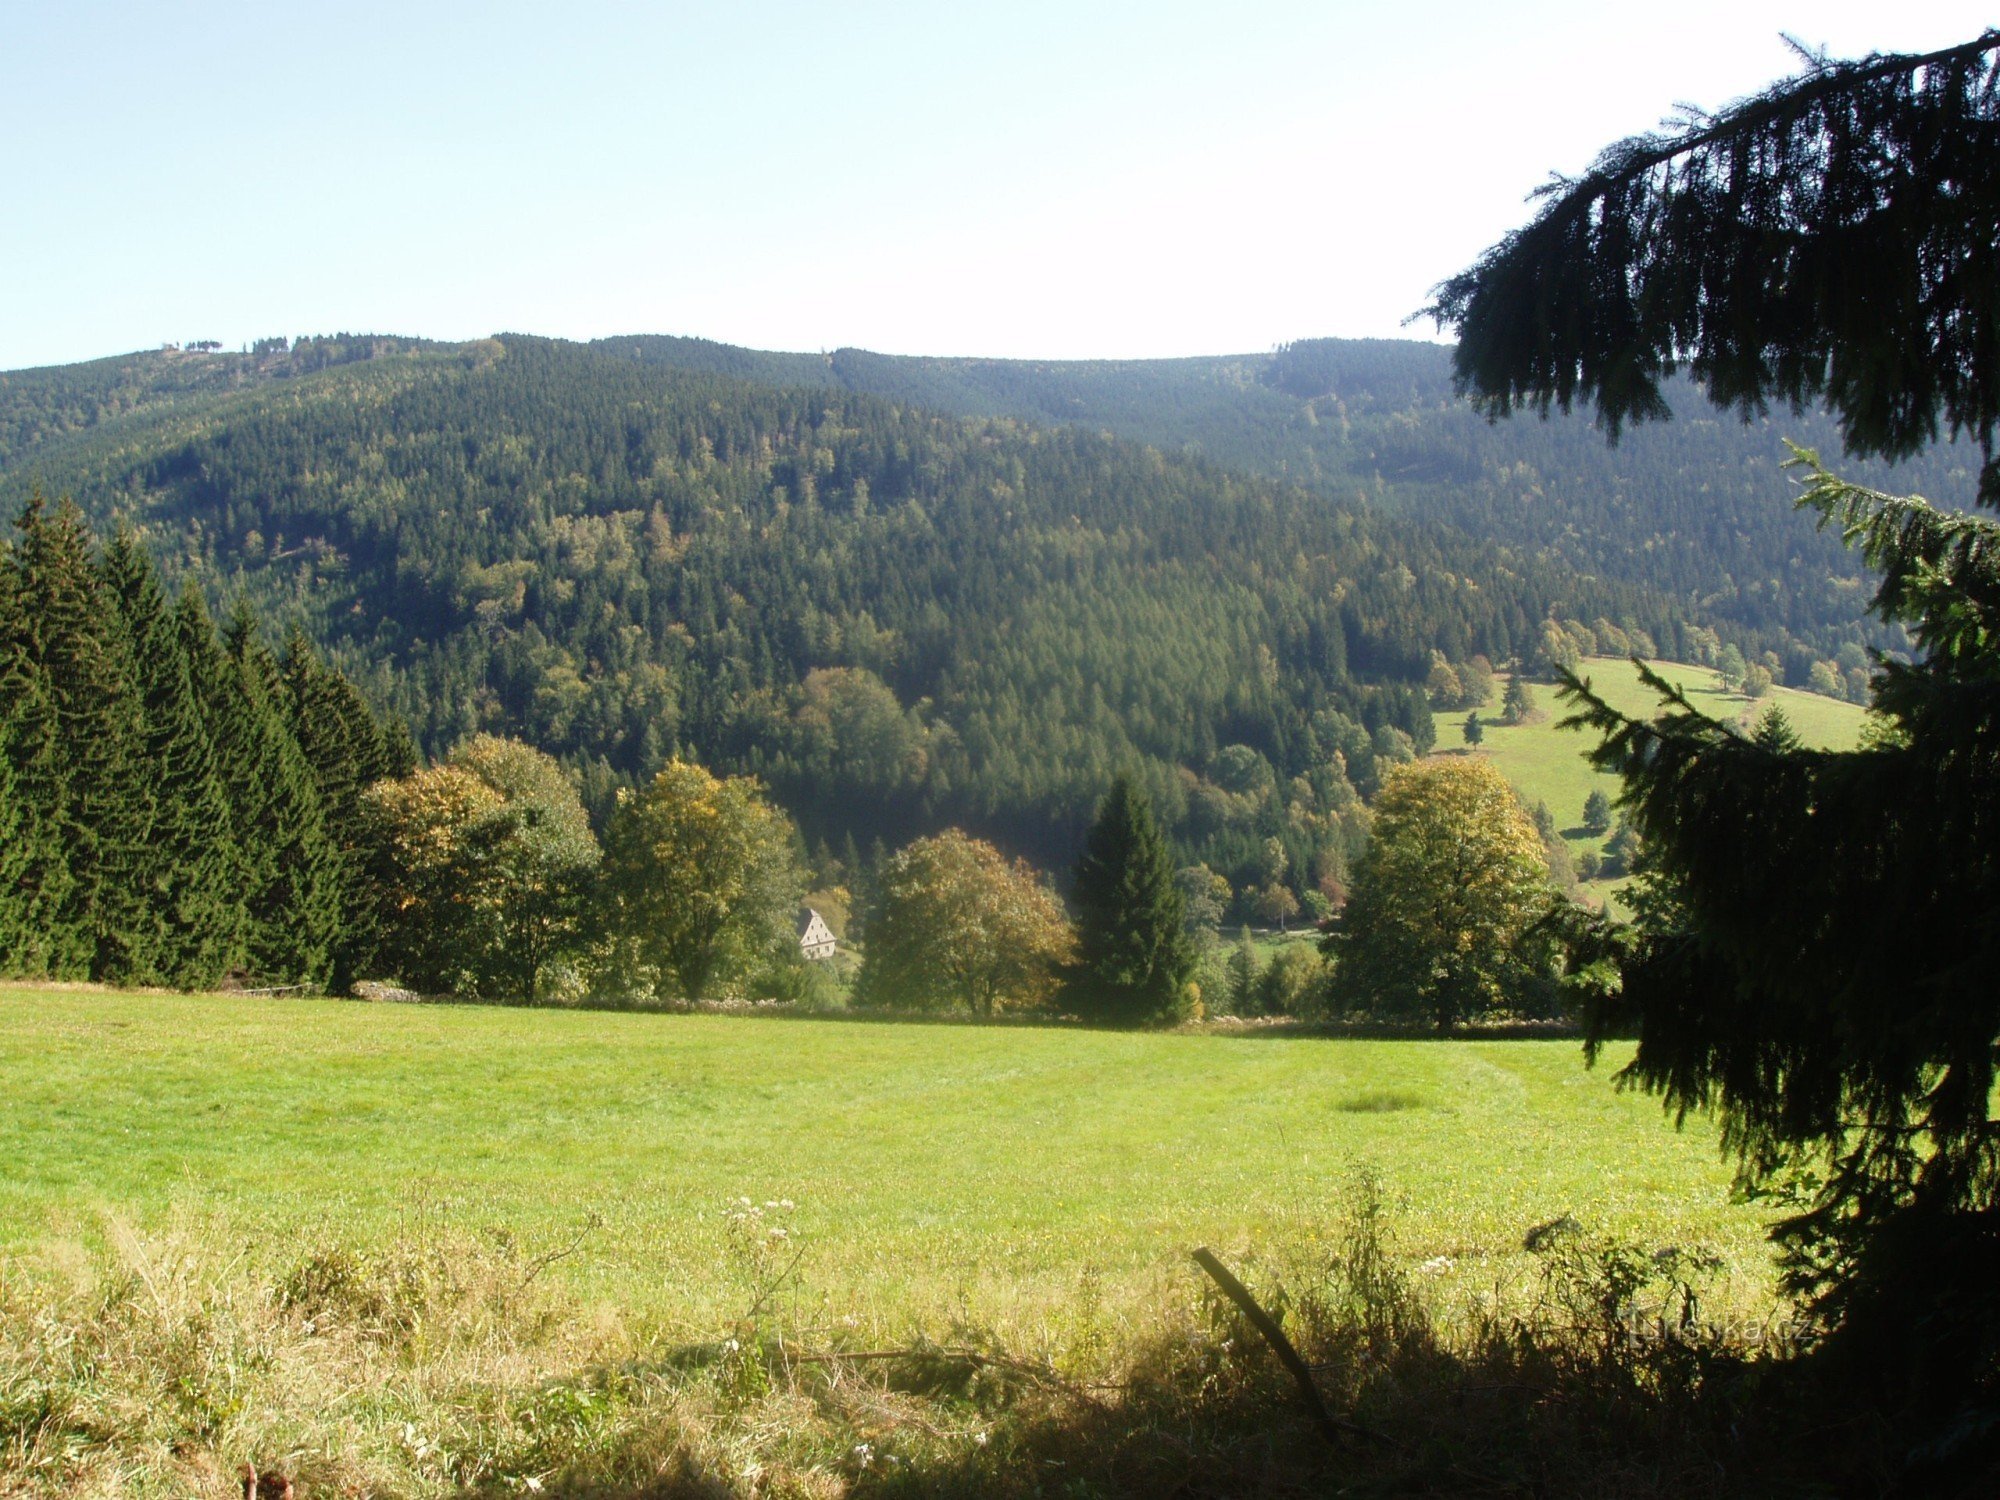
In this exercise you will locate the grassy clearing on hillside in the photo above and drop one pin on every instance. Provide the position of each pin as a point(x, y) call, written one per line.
point(1546, 764)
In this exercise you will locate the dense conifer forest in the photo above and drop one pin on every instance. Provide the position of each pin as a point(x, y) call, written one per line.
point(1694, 507)
point(902, 620)
point(178, 804)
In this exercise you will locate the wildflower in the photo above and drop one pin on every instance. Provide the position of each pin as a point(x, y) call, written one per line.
point(1437, 1265)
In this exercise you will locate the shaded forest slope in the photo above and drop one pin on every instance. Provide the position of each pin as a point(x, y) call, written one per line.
point(1695, 507)
point(901, 618)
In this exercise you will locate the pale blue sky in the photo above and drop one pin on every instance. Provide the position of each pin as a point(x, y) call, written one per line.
point(1022, 179)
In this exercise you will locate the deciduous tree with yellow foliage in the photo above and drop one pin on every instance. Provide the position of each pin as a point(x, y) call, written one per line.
point(488, 856)
point(957, 923)
point(1438, 925)
point(701, 882)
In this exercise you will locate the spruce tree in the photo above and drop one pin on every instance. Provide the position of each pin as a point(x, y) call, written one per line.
point(1133, 955)
point(1818, 932)
point(188, 864)
point(1243, 974)
point(347, 751)
point(100, 806)
point(287, 866)
point(14, 849)
point(1830, 239)
point(35, 878)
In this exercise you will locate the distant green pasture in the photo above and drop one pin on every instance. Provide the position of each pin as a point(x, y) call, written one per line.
point(1547, 764)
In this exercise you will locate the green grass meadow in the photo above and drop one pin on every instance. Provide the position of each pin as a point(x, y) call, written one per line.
point(935, 1171)
point(1547, 764)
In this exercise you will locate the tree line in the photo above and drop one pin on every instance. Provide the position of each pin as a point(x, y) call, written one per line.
point(181, 805)
point(901, 622)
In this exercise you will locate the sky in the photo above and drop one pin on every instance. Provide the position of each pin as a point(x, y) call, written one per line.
point(1022, 180)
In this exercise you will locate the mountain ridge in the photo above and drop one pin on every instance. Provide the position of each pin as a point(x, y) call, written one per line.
point(900, 618)
point(1695, 508)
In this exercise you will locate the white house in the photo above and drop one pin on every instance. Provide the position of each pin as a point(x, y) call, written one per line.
point(816, 940)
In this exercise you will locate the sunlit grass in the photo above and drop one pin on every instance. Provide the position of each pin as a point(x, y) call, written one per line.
point(932, 1167)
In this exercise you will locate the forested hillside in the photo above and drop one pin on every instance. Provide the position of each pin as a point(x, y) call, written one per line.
point(902, 619)
point(1695, 507)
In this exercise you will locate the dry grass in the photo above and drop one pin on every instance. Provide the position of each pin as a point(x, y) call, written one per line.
point(444, 1364)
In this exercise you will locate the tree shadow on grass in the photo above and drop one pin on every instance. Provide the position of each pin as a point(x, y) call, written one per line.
point(1205, 1411)
point(1608, 1380)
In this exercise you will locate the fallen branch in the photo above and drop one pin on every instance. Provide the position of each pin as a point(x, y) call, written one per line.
point(542, 1262)
point(1331, 1426)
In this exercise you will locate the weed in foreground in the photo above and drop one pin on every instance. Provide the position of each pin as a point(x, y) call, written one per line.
point(447, 1365)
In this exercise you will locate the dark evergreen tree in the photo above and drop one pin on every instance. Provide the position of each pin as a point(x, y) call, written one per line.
point(347, 751)
point(34, 871)
point(14, 849)
point(1133, 953)
point(188, 861)
point(1242, 998)
point(158, 821)
point(1817, 952)
point(288, 867)
point(73, 638)
point(34, 863)
point(1832, 238)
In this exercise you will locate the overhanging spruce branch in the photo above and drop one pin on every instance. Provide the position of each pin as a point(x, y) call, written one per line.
point(1940, 569)
point(1835, 238)
point(1632, 158)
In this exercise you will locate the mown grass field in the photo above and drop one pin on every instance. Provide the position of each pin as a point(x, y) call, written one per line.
point(936, 1171)
point(1547, 764)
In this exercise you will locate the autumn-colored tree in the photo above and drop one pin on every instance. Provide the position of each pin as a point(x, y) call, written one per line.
point(1443, 684)
point(1453, 879)
point(1294, 983)
point(1205, 896)
point(957, 923)
point(1275, 905)
point(540, 855)
point(488, 857)
point(439, 914)
point(700, 883)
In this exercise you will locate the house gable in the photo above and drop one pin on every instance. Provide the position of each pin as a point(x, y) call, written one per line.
point(816, 939)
